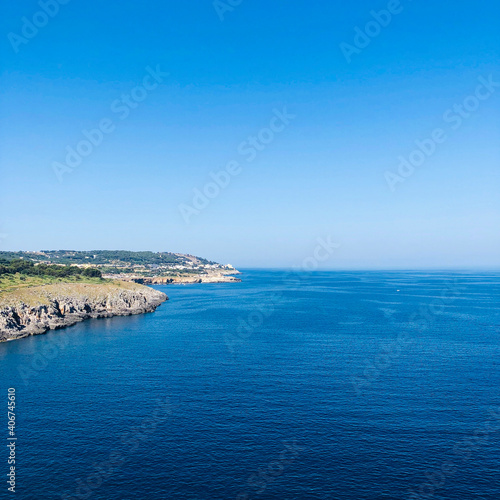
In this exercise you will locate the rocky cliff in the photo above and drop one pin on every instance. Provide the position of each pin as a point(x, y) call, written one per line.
point(186, 280)
point(35, 310)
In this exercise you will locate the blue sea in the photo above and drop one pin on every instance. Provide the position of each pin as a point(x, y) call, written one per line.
point(325, 385)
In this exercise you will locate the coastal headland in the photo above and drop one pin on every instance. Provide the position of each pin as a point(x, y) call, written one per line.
point(37, 309)
point(41, 291)
point(159, 268)
point(209, 277)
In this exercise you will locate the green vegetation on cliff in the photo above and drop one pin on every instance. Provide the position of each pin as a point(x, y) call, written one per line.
point(23, 274)
point(28, 268)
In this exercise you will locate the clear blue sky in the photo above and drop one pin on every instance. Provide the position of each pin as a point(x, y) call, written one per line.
point(323, 175)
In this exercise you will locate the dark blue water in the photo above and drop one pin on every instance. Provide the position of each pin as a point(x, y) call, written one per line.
point(318, 386)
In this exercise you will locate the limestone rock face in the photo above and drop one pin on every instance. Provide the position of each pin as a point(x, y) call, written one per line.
point(186, 280)
point(37, 310)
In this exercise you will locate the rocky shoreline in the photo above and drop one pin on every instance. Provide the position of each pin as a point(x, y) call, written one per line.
point(36, 310)
point(186, 280)
point(211, 276)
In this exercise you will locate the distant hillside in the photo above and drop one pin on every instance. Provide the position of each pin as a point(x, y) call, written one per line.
point(121, 263)
point(106, 257)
